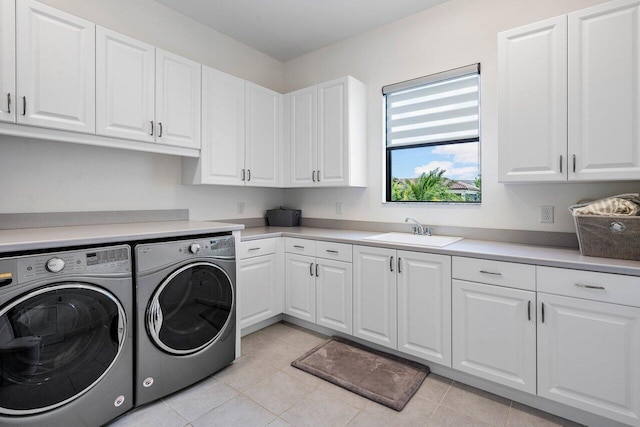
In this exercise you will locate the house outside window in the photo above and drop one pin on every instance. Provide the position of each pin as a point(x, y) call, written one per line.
point(433, 138)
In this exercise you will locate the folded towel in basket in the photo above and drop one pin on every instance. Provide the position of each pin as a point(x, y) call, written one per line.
point(622, 204)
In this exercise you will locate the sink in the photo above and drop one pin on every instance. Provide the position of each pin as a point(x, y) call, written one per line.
point(413, 239)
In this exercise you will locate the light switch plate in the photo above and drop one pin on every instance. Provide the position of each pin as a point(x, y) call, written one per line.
point(546, 214)
point(339, 209)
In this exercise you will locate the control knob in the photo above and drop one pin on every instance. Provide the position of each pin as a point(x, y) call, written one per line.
point(194, 248)
point(54, 265)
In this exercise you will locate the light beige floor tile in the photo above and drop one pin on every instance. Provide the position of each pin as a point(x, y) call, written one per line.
point(525, 416)
point(245, 372)
point(486, 407)
point(304, 340)
point(278, 354)
point(277, 330)
point(279, 422)
point(200, 398)
point(319, 408)
point(447, 417)
point(239, 411)
point(156, 414)
point(278, 392)
point(252, 343)
point(344, 395)
point(434, 387)
point(417, 413)
point(302, 376)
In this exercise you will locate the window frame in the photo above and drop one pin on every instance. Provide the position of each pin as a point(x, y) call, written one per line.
point(386, 163)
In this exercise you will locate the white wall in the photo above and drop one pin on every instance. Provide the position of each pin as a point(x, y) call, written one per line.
point(43, 176)
point(454, 34)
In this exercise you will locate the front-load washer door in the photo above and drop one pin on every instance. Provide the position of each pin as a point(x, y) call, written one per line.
point(190, 309)
point(57, 342)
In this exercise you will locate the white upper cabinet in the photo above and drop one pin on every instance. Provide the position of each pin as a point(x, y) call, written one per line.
point(569, 97)
point(56, 65)
point(532, 102)
point(604, 92)
point(328, 135)
point(125, 87)
point(178, 94)
point(7, 61)
point(304, 137)
point(262, 136)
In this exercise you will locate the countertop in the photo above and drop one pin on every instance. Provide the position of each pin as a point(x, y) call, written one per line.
point(511, 252)
point(26, 239)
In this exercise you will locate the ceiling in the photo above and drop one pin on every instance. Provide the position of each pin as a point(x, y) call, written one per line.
point(285, 29)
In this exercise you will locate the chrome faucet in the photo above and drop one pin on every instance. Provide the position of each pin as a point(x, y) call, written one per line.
point(419, 229)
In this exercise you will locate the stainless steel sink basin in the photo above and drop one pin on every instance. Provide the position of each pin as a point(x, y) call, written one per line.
point(414, 239)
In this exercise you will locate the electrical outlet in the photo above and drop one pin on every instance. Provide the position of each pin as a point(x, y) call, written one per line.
point(339, 210)
point(546, 214)
point(240, 208)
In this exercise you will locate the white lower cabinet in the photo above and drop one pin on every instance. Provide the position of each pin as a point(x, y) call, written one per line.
point(258, 290)
point(334, 295)
point(300, 287)
point(589, 356)
point(494, 333)
point(424, 306)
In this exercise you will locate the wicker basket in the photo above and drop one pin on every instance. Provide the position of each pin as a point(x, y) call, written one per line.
point(609, 236)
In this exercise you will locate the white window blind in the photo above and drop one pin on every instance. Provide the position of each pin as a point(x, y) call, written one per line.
point(434, 109)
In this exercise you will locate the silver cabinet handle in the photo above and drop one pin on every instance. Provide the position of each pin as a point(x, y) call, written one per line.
point(391, 263)
point(574, 163)
point(332, 251)
point(582, 285)
point(318, 175)
point(311, 269)
point(254, 249)
point(529, 311)
point(243, 175)
point(399, 265)
point(24, 105)
point(9, 103)
point(490, 272)
point(317, 275)
point(298, 247)
point(160, 133)
point(560, 163)
point(151, 128)
point(542, 311)
point(248, 175)
point(313, 176)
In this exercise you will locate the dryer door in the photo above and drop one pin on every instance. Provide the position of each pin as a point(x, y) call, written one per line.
point(56, 343)
point(190, 309)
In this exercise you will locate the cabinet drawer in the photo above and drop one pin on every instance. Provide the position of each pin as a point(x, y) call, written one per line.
point(509, 274)
point(337, 251)
point(300, 246)
point(605, 287)
point(256, 248)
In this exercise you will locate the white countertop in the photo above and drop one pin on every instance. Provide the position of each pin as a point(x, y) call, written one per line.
point(511, 252)
point(26, 239)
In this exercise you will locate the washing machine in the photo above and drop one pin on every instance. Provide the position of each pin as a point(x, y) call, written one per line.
point(186, 311)
point(66, 345)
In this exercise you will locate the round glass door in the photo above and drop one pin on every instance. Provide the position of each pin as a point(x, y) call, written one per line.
point(190, 308)
point(55, 344)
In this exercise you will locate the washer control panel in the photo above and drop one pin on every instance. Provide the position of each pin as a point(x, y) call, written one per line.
point(110, 260)
point(154, 255)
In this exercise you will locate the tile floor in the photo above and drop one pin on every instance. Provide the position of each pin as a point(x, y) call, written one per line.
point(261, 388)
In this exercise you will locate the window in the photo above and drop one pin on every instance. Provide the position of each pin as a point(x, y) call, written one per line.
point(433, 138)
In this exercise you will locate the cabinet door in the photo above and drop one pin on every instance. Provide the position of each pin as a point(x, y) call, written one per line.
point(125, 87)
point(604, 92)
point(374, 295)
point(56, 65)
point(222, 152)
point(588, 355)
point(262, 136)
point(257, 290)
point(532, 102)
point(494, 334)
point(300, 287)
point(334, 295)
point(7, 61)
point(424, 306)
point(333, 141)
point(177, 100)
point(303, 138)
